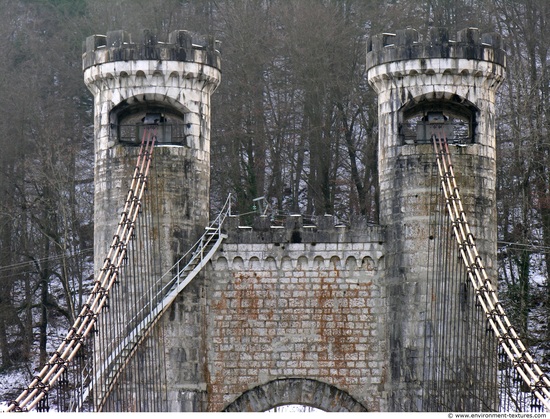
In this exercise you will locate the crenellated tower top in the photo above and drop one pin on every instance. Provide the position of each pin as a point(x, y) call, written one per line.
point(182, 46)
point(174, 78)
point(407, 57)
point(423, 76)
point(407, 44)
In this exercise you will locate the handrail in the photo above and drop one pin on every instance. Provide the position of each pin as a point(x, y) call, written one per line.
point(507, 336)
point(165, 296)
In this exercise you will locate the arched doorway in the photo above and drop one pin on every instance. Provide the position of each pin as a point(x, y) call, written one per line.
point(300, 391)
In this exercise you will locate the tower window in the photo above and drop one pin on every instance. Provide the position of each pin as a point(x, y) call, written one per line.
point(129, 125)
point(168, 131)
point(422, 121)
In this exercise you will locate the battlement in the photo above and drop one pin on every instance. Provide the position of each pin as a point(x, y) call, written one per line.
point(297, 228)
point(181, 46)
point(407, 44)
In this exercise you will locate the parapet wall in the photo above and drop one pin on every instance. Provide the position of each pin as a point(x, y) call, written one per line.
point(181, 46)
point(294, 298)
point(301, 229)
point(407, 44)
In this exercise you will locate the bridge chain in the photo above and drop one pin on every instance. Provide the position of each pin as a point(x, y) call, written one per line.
point(507, 336)
point(85, 321)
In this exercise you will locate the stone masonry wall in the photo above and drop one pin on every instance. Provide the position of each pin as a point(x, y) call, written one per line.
point(296, 310)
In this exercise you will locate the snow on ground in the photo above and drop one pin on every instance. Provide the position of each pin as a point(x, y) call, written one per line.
point(294, 408)
point(11, 382)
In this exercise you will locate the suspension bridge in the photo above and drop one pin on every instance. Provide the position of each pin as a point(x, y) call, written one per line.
point(187, 314)
point(116, 349)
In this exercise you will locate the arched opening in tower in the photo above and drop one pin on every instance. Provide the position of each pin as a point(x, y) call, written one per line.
point(421, 119)
point(129, 120)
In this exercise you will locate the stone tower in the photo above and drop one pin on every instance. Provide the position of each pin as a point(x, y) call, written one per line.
point(129, 80)
point(133, 82)
point(453, 80)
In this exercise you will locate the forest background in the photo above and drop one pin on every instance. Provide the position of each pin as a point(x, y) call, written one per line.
point(294, 120)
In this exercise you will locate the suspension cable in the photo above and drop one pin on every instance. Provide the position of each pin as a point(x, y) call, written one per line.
point(507, 336)
point(84, 323)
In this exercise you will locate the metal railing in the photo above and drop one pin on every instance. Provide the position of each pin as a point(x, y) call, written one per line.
point(152, 310)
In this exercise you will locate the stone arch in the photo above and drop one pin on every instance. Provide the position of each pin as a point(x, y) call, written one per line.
point(301, 391)
point(220, 264)
point(302, 263)
point(127, 116)
point(351, 263)
point(367, 264)
point(335, 262)
point(173, 79)
point(254, 264)
point(238, 264)
point(152, 101)
point(460, 117)
point(319, 262)
point(286, 263)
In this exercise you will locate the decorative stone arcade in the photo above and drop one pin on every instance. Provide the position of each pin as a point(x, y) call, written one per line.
point(331, 316)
